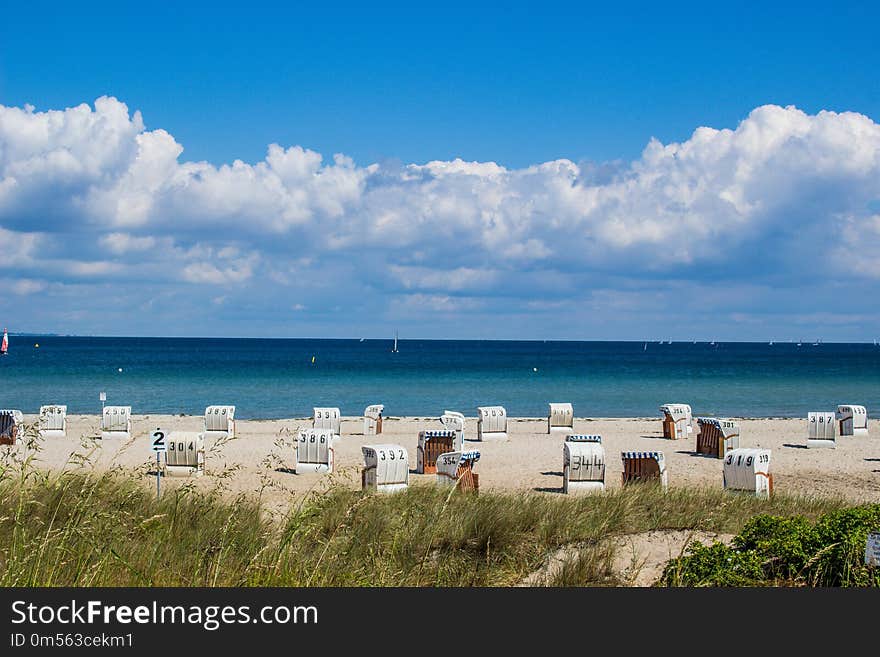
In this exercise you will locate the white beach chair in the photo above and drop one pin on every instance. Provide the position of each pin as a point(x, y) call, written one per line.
point(116, 423)
point(748, 470)
point(220, 422)
point(678, 421)
point(821, 430)
point(373, 419)
point(326, 418)
point(386, 468)
point(458, 467)
point(53, 421)
point(491, 423)
point(583, 464)
point(10, 424)
point(641, 467)
point(560, 418)
point(852, 420)
point(315, 451)
point(454, 421)
point(186, 454)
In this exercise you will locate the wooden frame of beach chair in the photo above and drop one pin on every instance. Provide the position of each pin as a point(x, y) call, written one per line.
point(373, 419)
point(852, 420)
point(53, 421)
point(430, 446)
point(716, 437)
point(643, 467)
point(186, 454)
point(560, 418)
point(315, 450)
point(386, 468)
point(9, 423)
point(821, 430)
point(220, 421)
point(677, 421)
point(458, 468)
point(583, 464)
point(748, 470)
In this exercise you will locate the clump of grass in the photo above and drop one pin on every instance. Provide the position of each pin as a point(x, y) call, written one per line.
point(109, 530)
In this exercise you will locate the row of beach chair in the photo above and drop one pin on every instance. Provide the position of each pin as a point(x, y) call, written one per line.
point(441, 452)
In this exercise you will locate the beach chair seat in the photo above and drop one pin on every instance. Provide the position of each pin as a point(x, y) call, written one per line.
point(716, 436)
point(315, 451)
point(644, 467)
point(386, 468)
point(748, 470)
point(677, 421)
point(454, 421)
point(583, 464)
point(491, 423)
point(116, 423)
point(373, 419)
point(327, 418)
point(430, 446)
point(220, 422)
point(457, 468)
point(821, 430)
point(10, 422)
point(560, 418)
point(53, 421)
point(185, 456)
point(852, 420)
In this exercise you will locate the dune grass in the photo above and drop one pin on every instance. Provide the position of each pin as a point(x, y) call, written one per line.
point(109, 530)
point(100, 528)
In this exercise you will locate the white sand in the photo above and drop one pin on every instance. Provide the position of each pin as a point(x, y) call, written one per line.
point(261, 457)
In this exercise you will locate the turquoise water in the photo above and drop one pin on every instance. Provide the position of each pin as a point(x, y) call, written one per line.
point(268, 378)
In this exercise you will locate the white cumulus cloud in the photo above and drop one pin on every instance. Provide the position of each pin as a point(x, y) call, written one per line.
point(782, 201)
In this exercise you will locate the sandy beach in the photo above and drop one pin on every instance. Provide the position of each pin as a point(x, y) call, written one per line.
point(261, 458)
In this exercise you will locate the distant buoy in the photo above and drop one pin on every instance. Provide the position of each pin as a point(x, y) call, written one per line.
point(313, 359)
point(120, 369)
point(534, 369)
point(37, 345)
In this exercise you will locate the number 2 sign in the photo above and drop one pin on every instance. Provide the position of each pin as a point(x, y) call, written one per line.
point(157, 440)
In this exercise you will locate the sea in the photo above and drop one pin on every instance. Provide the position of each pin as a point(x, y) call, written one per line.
point(285, 378)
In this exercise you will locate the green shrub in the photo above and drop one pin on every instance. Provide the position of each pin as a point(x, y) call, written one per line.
point(789, 551)
point(714, 565)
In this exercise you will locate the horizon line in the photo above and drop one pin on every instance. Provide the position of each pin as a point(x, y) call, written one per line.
point(391, 339)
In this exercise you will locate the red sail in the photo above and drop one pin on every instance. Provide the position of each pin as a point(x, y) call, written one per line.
point(4, 346)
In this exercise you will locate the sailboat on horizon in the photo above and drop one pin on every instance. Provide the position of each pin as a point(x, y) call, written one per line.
point(394, 348)
point(4, 345)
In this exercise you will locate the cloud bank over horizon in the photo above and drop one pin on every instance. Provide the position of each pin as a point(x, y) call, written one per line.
point(768, 229)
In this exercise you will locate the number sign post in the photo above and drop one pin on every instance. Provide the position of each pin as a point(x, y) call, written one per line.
point(158, 445)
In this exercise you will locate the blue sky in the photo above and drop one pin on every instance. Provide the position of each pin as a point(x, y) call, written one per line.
point(558, 209)
point(520, 85)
